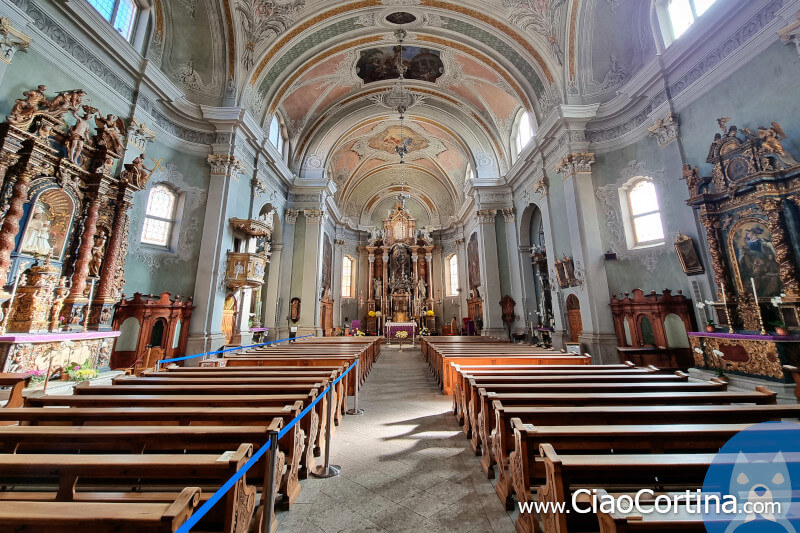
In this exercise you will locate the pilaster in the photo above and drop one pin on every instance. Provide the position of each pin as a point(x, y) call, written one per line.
point(512, 245)
point(11, 41)
point(490, 275)
point(336, 282)
point(309, 323)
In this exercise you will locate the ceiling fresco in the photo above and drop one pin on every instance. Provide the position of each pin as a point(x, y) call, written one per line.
point(328, 69)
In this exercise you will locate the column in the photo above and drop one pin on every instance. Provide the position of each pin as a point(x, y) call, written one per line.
point(386, 304)
point(205, 333)
point(105, 294)
point(271, 292)
point(773, 207)
point(336, 282)
point(287, 272)
point(512, 243)
point(371, 280)
point(429, 264)
point(463, 280)
point(10, 228)
point(11, 41)
point(598, 337)
point(309, 323)
point(490, 275)
point(414, 310)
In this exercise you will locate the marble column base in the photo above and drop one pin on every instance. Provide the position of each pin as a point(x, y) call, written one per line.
point(601, 346)
point(202, 343)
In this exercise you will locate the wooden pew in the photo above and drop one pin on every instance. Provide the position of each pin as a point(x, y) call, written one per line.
point(795, 373)
point(483, 418)
point(69, 517)
point(15, 383)
point(123, 478)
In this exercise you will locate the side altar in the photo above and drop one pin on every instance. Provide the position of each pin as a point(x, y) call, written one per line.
point(64, 202)
point(400, 270)
point(750, 208)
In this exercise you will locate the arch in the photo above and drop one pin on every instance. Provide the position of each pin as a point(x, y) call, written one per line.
point(645, 327)
point(128, 336)
point(676, 331)
point(573, 304)
point(158, 333)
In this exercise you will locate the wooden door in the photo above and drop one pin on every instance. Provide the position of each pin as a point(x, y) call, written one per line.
point(229, 318)
point(574, 320)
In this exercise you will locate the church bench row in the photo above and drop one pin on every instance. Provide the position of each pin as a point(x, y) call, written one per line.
point(466, 394)
point(68, 517)
point(132, 478)
point(11, 387)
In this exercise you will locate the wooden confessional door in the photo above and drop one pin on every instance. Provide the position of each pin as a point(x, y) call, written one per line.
point(574, 318)
point(229, 318)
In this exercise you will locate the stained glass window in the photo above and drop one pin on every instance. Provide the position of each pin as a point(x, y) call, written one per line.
point(159, 216)
point(120, 13)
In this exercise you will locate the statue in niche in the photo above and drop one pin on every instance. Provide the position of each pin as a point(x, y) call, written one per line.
point(98, 252)
point(422, 288)
point(378, 288)
point(400, 264)
point(79, 133)
point(294, 309)
point(37, 237)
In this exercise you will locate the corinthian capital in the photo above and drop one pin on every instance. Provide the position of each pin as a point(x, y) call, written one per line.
point(510, 215)
point(577, 163)
point(314, 216)
point(11, 41)
point(486, 216)
point(291, 216)
point(224, 164)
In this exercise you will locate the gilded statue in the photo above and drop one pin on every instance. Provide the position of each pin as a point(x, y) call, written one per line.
point(98, 253)
point(24, 109)
point(109, 130)
point(79, 133)
point(136, 172)
point(771, 142)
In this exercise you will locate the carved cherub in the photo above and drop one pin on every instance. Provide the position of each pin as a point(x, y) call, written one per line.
point(771, 142)
point(26, 107)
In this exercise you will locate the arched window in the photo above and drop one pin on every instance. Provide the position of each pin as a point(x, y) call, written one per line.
point(680, 15)
point(645, 214)
point(347, 277)
point(159, 219)
point(120, 13)
point(276, 135)
point(524, 132)
point(452, 275)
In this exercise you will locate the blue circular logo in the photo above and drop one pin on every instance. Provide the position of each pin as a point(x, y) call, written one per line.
point(752, 484)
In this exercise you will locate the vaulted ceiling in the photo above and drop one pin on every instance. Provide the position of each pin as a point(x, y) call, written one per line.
point(325, 67)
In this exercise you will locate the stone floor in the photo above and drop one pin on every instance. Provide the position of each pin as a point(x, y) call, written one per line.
point(406, 466)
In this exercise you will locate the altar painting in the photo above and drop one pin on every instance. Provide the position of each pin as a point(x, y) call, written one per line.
point(753, 256)
point(49, 222)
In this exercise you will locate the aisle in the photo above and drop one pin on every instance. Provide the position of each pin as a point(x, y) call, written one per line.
point(406, 466)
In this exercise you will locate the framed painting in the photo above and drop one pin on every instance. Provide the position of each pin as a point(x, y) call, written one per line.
point(687, 254)
point(754, 257)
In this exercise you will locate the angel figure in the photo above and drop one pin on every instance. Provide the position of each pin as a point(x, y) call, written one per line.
point(66, 101)
point(109, 129)
point(771, 142)
point(26, 107)
point(78, 134)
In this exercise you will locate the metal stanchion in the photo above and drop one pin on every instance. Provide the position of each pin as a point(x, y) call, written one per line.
point(355, 410)
point(328, 470)
point(268, 492)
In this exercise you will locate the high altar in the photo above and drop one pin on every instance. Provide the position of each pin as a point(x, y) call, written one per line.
point(64, 233)
point(750, 208)
point(401, 269)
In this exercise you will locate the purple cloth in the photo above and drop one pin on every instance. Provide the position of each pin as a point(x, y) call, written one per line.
point(356, 324)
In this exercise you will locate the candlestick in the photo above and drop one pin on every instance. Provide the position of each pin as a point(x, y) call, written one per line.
point(758, 307)
point(727, 311)
point(10, 302)
point(89, 306)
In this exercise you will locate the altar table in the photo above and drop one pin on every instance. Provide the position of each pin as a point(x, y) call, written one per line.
point(390, 329)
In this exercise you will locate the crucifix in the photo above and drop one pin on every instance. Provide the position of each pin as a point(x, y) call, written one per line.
point(156, 166)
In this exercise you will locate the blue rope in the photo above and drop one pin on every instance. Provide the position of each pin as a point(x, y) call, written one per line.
point(230, 350)
point(223, 490)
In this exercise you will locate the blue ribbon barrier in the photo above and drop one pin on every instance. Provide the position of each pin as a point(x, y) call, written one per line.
point(223, 490)
point(230, 350)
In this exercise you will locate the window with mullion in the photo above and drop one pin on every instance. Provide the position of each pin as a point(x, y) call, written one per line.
point(121, 14)
point(645, 213)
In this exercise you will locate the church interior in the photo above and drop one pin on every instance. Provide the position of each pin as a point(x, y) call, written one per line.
point(481, 254)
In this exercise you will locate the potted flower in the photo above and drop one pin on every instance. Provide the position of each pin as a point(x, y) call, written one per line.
point(710, 326)
point(82, 372)
point(780, 326)
point(430, 312)
point(718, 355)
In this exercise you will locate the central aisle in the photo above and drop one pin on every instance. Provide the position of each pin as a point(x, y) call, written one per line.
point(406, 466)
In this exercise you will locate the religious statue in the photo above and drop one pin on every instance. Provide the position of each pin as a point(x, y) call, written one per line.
point(771, 142)
point(66, 101)
point(136, 172)
point(37, 238)
point(375, 234)
point(98, 253)
point(422, 289)
point(26, 107)
point(425, 234)
point(378, 288)
point(79, 133)
point(109, 130)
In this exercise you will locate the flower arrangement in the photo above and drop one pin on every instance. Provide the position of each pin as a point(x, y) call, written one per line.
point(430, 312)
point(424, 331)
point(36, 375)
point(776, 316)
point(401, 334)
point(359, 333)
point(82, 372)
point(709, 319)
point(371, 314)
point(378, 314)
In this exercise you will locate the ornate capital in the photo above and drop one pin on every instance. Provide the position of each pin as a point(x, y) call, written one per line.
point(291, 216)
point(542, 187)
point(578, 163)
point(414, 258)
point(11, 40)
point(791, 33)
point(224, 164)
point(339, 242)
point(510, 215)
point(314, 216)
point(666, 130)
point(486, 216)
point(259, 187)
point(371, 258)
point(460, 241)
